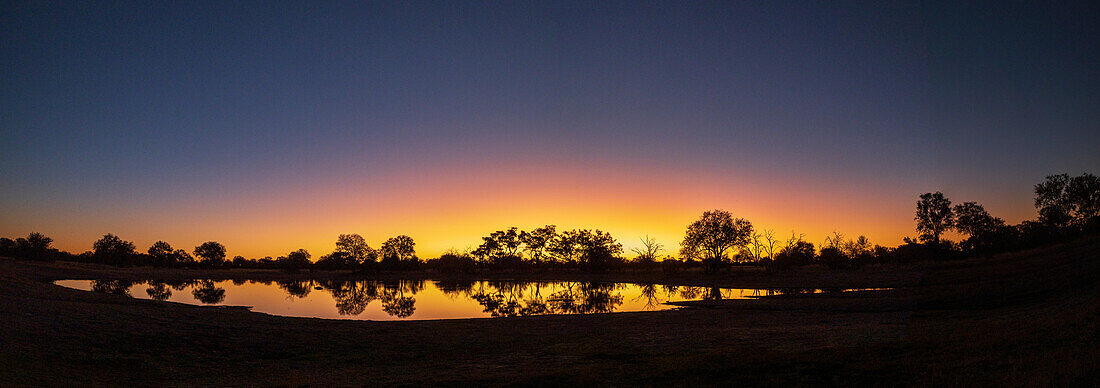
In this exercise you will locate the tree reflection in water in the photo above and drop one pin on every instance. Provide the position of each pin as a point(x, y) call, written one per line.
point(496, 298)
point(208, 293)
point(296, 288)
point(351, 297)
point(117, 287)
point(506, 299)
point(394, 301)
point(455, 288)
point(159, 290)
point(649, 293)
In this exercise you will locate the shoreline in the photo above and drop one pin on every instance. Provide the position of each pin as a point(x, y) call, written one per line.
point(1025, 318)
point(874, 276)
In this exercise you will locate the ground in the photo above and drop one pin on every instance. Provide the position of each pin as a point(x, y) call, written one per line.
point(1026, 318)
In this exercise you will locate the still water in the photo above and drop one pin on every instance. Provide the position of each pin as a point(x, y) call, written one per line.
point(422, 299)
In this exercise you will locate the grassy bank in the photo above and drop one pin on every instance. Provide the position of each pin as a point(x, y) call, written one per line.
point(1021, 319)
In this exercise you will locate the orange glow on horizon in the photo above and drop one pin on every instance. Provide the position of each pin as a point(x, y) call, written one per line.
point(454, 207)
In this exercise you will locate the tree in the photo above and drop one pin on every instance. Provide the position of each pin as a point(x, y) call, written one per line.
point(335, 260)
point(536, 241)
point(38, 246)
point(598, 249)
point(797, 253)
point(860, 248)
point(1050, 199)
point(211, 252)
point(113, 250)
point(355, 248)
point(500, 244)
point(649, 250)
point(834, 241)
point(161, 252)
point(972, 220)
point(564, 247)
point(296, 260)
point(714, 233)
point(181, 256)
point(769, 244)
point(1063, 200)
point(934, 216)
point(1083, 193)
point(400, 248)
point(7, 247)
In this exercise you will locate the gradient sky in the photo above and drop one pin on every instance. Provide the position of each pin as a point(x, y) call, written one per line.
point(271, 127)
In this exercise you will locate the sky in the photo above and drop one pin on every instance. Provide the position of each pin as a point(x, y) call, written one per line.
point(275, 126)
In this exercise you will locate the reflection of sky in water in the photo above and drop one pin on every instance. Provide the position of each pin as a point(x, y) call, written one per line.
point(373, 300)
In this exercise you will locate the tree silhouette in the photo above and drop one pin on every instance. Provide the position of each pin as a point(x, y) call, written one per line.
point(161, 253)
point(565, 246)
point(113, 250)
point(335, 260)
point(211, 252)
point(795, 253)
point(537, 241)
point(398, 249)
point(499, 245)
point(1063, 200)
point(972, 219)
point(296, 260)
point(598, 249)
point(7, 247)
point(37, 246)
point(859, 249)
point(181, 256)
point(934, 216)
point(714, 233)
point(355, 248)
point(649, 250)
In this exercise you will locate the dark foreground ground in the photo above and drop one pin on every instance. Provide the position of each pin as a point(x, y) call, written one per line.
point(1021, 319)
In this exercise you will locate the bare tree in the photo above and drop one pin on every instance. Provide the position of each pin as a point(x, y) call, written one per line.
point(835, 241)
point(756, 247)
point(770, 243)
point(649, 250)
point(794, 240)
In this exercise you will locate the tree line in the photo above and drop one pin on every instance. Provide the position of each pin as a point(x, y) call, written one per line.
point(1068, 207)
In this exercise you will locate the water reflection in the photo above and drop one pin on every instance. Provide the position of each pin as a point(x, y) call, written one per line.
point(207, 292)
point(298, 288)
point(425, 299)
point(118, 287)
point(159, 291)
